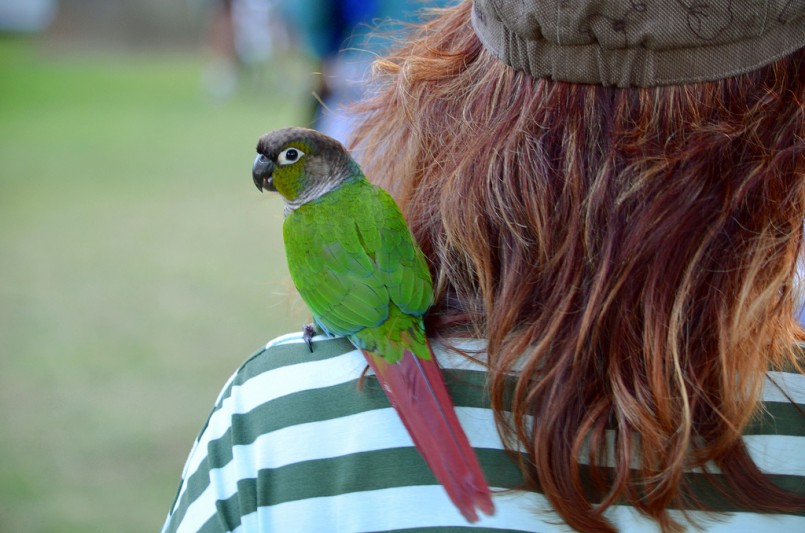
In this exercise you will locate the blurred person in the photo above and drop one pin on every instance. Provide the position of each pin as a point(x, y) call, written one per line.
point(26, 16)
point(610, 196)
point(220, 74)
point(242, 37)
point(345, 36)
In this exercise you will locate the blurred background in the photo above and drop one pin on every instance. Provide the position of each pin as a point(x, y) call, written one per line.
point(139, 266)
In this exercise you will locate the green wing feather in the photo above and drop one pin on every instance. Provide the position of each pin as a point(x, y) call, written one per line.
point(353, 260)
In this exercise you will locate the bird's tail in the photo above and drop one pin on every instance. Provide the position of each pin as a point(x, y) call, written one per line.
point(417, 391)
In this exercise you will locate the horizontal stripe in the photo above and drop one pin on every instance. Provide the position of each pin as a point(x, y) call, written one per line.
point(359, 472)
point(432, 509)
point(784, 387)
point(454, 529)
point(337, 401)
point(777, 418)
point(333, 438)
point(629, 520)
point(777, 454)
point(773, 454)
point(196, 514)
point(402, 508)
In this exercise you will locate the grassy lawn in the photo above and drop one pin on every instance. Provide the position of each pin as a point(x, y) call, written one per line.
point(138, 267)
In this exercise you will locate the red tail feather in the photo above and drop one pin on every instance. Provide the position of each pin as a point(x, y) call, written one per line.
point(416, 390)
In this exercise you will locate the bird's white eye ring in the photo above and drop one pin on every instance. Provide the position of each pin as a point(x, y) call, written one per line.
point(289, 156)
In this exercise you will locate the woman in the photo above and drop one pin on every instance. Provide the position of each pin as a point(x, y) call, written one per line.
point(611, 196)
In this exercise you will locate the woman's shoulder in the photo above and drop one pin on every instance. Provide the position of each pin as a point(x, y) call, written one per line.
point(286, 353)
point(289, 360)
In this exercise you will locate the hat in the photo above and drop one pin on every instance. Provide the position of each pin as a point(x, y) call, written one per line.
point(639, 43)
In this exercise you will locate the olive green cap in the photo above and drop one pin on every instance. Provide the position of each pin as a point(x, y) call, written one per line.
point(632, 43)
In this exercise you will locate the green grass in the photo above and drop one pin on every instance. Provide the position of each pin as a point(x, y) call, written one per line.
point(139, 267)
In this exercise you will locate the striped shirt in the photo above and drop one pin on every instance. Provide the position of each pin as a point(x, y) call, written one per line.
point(294, 443)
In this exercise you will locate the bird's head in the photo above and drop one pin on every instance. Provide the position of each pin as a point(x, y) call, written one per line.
point(300, 164)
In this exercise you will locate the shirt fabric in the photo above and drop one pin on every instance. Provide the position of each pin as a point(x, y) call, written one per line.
point(301, 441)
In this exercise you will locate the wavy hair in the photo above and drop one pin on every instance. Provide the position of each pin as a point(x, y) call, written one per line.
point(629, 254)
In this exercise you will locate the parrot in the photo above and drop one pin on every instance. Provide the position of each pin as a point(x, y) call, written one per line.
point(359, 270)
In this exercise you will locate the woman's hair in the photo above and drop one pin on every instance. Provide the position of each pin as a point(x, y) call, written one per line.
point(628, 253)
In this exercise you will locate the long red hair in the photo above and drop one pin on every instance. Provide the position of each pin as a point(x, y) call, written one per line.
point(629, 254)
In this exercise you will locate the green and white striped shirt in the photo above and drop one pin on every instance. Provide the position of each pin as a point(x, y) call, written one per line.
point(292, 444)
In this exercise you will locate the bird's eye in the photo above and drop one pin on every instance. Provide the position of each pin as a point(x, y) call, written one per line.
point(289, 155)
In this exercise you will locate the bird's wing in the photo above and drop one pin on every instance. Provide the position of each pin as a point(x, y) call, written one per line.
point(401, 265)
point(351, 254)
point(331, 268)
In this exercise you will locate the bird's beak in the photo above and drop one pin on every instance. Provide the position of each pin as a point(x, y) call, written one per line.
point(262, 171)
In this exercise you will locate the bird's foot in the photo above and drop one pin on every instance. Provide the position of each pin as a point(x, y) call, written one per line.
point(308, 332)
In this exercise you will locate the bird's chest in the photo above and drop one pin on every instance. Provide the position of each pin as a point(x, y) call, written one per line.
point(333, 217)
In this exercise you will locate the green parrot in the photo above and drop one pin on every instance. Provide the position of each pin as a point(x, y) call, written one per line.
point(356, 265)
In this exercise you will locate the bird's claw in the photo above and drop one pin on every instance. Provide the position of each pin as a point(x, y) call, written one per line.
point(308, 332)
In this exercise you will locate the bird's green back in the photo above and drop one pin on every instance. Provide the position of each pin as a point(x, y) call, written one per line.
point(356, 265)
